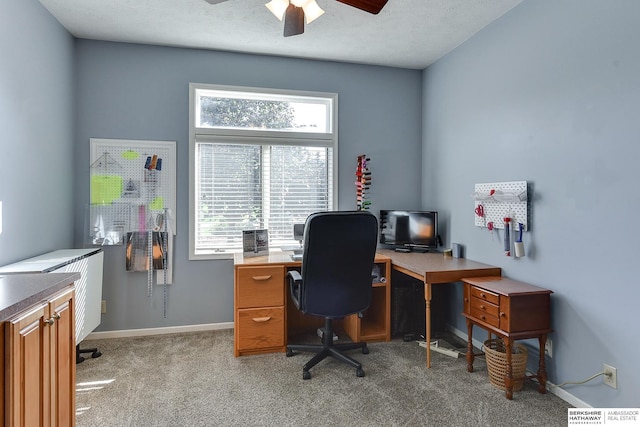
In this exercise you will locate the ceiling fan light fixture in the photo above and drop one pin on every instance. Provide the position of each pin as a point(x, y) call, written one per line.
point(294, 13)
point(312, 11)
point(278, 7)
point(293, 21)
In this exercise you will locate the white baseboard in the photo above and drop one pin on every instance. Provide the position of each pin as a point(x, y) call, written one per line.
point(567, 397)
point(562, 394)
point(464, 337)
point(158, 331)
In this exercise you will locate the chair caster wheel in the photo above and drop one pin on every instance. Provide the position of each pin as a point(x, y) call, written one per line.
point(306, 375)
point(359, 372)
point(365, 350)
point(289, 353)
point(95, 354)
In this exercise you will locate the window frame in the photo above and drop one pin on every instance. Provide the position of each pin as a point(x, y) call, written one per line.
point(255, 137)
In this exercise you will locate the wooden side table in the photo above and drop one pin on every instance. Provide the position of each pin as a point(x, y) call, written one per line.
point(511, 310)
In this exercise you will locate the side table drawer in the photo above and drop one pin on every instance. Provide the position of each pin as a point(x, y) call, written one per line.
point(259, 287)
point(483, 294)
point(482, 315)
point(260, 328)
point(483, 306)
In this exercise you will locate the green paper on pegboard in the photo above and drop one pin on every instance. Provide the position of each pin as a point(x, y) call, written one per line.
point(157, 204)
point(130, 155)
point(105, 189)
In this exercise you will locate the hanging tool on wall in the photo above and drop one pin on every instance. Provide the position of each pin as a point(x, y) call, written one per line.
point(480, 212)
point(150, 263)
point(518, 246)
point(490, 228)
point(507, 237)
point(165, 250)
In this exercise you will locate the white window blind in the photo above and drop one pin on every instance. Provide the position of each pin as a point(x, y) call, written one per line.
point(246, 179)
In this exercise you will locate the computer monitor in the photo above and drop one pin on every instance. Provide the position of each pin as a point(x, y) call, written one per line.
point(405, 229)
point(298, 232)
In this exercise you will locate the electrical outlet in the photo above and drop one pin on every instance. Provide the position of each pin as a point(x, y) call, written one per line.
point(548, 348)
point(103, 307)
point(610, 376)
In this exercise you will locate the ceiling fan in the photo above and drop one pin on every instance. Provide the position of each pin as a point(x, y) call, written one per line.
point(294, 12)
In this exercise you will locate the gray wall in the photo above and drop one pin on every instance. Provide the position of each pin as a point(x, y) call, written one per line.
point(141, 92)
point(36, 131)
point(550, 94)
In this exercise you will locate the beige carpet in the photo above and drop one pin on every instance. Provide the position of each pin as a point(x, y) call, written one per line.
point(194, 380)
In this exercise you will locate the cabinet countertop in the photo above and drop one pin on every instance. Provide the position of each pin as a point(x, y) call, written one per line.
point(21, 291)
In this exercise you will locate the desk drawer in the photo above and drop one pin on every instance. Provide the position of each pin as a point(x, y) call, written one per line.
point(260, 328)
point(485, 317)
point(483, 306)
point(259, 286)
point(483, 294)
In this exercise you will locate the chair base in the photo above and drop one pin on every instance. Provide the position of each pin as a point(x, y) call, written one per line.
point(94, 353)
point(329, 349)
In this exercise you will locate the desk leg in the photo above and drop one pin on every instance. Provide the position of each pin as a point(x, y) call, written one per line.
point(542, 371)
point(470, 355)
point(508, 378)
point(427, 298)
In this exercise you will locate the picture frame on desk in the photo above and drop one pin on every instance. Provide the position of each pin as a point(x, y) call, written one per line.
point(255, 242)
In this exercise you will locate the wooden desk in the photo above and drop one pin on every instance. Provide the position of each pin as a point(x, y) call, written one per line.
point(512, 310)
point(264, 319)
point(434, 268)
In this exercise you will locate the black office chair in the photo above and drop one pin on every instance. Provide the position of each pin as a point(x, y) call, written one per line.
point(335, 280)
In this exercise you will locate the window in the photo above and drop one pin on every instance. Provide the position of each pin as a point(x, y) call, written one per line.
point(259, 159)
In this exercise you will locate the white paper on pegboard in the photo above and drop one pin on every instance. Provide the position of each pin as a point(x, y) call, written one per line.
point(495, 201)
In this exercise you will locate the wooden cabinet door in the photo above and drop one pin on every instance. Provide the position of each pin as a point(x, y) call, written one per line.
point(62, 335)
point(28, 375)
point(40, 364)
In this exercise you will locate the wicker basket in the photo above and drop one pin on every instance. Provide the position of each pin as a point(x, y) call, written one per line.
point(496, 355)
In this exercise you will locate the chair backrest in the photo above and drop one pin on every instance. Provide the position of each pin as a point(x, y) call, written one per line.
point(339, 253)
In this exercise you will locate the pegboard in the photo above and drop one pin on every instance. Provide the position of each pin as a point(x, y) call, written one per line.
point(498, 200)
point(133, 190)
point(133, 187)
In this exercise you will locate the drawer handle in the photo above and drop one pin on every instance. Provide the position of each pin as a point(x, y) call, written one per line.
point(502, 314)
point(483, 295)
point(262, 278)
point(50, 321)
point(482, 307)
point(261, 319)
point(482, 317)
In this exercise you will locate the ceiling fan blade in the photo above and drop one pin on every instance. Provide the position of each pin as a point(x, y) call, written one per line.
point(293, 21)
point(371, 6)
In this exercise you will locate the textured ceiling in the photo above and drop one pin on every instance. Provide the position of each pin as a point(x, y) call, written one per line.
point(406, 34)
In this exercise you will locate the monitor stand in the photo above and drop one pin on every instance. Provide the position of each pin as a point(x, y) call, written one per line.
point(402, 249)
point(407, 249)
point(421, 250)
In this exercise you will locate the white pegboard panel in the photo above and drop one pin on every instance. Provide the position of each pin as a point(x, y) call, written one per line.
point(128, 191)
point(498, 200)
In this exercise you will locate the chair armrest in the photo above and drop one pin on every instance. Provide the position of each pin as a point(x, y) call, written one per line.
point(295, 285)
point(294, 275)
